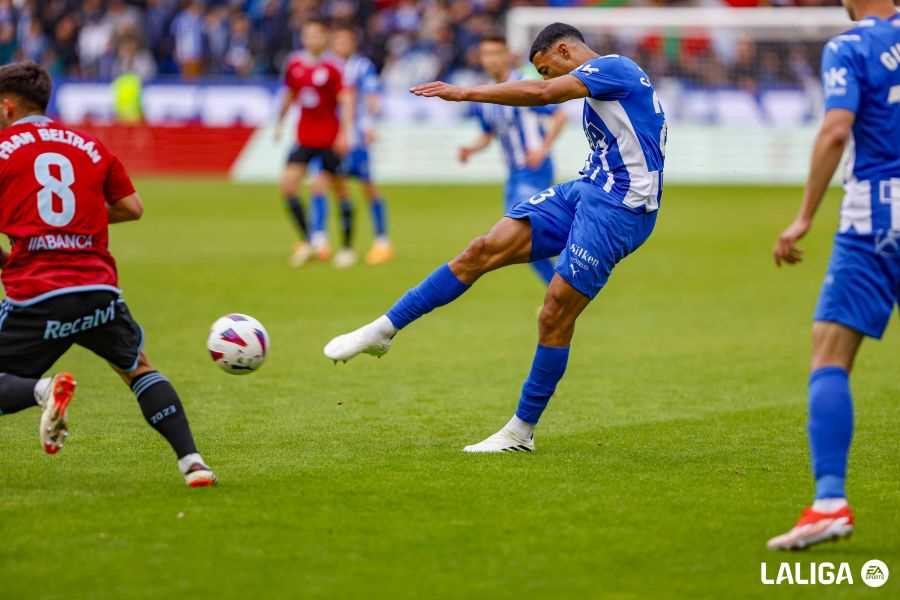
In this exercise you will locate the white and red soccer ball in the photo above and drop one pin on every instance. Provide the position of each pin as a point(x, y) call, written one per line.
point(238, 343)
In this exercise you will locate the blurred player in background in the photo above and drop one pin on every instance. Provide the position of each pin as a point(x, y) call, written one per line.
point(361, 77)
point(861, 73)
point(526, 144)
point(60, 191)
point(313, 80)
point(591, 222)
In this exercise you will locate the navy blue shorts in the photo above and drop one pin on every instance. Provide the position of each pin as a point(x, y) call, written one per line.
point(862, 285)
point(35, 335)
point(588, 228)
point(317, 159)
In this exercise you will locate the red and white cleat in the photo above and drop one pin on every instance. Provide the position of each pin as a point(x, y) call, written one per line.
point(53, 429)
point(814, 528)
point(199, 475)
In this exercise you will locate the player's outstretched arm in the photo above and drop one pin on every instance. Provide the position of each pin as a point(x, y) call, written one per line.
point(129, 208)
point(557, 123)
point(347, 101)
point(511, 93)
point(465, 152)
point(555, 127)
point(288, 99)
point(827, 151)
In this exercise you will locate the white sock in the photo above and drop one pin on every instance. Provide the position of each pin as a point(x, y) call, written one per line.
point(520, 428)
point(41, 389)
point(319, 239)
point(185, 462)
point(829, 505)
point(384, 324)
point(382, 240)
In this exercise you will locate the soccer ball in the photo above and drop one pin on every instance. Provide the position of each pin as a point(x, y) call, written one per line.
point(238, 343)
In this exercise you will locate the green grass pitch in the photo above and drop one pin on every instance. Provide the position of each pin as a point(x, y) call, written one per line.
point(674, 448)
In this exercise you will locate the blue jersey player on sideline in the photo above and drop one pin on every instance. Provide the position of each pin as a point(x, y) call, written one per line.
point(591, 222)
point(361, 77)
point(525, 142)
point(861, 75)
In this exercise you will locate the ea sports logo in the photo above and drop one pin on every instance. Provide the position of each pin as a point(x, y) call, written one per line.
point(874, 573)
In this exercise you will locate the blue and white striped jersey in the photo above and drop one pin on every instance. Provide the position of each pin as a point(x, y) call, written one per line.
point(861, 73)
point(361, 75)
point(518, 128)
point(626, 129)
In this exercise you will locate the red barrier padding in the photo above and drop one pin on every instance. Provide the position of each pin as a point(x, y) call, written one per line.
point(172, 150)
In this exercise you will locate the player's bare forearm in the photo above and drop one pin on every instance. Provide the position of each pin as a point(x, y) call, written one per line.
point(282, 112)
point(475, 147)
point(347, 100)
point(373, 104)
point(557, 123)
point(286, 101)
point(510, 93)
point(826, 155)
point(483, 141)
point(129, 208)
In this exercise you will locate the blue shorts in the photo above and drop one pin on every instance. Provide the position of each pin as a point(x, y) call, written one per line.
point(524, 184)
point(356, 164)
point(588, 228)
point(862, 285)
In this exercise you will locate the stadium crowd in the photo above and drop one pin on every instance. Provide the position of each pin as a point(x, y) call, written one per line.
point(409, 40)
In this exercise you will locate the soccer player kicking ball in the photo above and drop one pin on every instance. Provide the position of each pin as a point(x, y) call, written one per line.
point(862, 101)
point(526, 144)
point(60, 190)
point(591, 222)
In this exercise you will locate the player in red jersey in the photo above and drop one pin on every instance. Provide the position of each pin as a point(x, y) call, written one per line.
point(59, 191)
point(313, 80)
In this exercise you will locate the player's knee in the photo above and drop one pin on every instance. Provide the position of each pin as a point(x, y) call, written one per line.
point(143, 366)
point(553, 318)
point(556, 322)
point(476, 255)
point(289, 185)
point(834, 346)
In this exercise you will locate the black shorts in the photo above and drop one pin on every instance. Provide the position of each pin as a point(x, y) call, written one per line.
point(326, 158)
point(34, 337)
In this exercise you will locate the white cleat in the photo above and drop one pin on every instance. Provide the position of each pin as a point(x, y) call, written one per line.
point(301, 255)
point(374, 338)
point(53, 428)
point(502, 441)
point(199, 475)
point(344, 259)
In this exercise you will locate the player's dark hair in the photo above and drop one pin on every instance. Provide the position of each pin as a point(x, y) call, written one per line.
point(551, 34)
point(28, 81)
point(316, 20)
point(494, 38)
point(346, 26)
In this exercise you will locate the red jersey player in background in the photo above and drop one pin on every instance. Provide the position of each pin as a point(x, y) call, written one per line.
point(313, 81)
point(59, 191)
